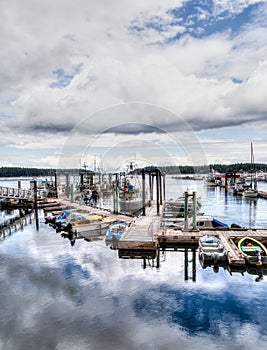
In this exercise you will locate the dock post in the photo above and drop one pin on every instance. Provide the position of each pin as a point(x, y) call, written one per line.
point(71, 193)
point(164, 187)
point(194, 211)
point(150, 186)
point(35, 205)
point(81, 179)
point(56, 185)
point(115, 199)
point(67, 185)
point(144, 192)
point(158, 259)
point(226, 183)
point(186, 210)
point(186, 264)
point(160, 188)
point(144, 263)
point(91, 184)
point(194, 264)
point(157, 186)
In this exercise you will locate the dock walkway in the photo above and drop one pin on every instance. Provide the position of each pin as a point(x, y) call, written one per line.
point(145, 236)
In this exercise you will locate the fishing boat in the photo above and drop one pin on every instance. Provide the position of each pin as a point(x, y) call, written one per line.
point(53, 219)
point(130, 193)
point(253, 251)
point(211, 248)
point(91, 225)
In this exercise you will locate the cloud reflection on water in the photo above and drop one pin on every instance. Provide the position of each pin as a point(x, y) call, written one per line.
point(54, 296)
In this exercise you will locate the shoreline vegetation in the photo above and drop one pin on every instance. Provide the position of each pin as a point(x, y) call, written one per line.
point(170, 170)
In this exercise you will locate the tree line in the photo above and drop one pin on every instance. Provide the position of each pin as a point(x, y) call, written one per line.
point(25, 172)
point(170, 169)
point(205, 169)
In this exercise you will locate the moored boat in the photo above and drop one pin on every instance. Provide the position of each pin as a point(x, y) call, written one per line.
point(250, 193)
point(114, 233)
point(205, 222)
point(130, 192)
point(91, 225)
point(211, 248)
point(253, 251)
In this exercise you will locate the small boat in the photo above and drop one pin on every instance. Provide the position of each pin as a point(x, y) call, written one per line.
point(202, 222)
point(114, 233)
point(205, 222)
point(211, 180)
point(250, 193)
point(90, 225)
point(211, 248)
point(53, 219)
point(116, 229)
point(253, 251)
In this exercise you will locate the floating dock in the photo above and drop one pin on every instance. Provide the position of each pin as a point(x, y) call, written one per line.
point(173, 239)
point(145, 236)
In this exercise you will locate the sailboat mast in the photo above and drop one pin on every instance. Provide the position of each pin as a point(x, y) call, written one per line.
point(253, 169)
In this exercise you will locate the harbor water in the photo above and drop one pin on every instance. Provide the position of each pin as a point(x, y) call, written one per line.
point(56, 296)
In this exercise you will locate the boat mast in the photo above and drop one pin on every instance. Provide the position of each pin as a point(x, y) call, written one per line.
point(253, 172)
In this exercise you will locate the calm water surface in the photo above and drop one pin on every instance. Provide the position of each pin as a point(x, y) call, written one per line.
point(57, 296)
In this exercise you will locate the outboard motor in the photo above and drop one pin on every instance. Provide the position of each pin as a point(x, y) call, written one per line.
point(258, 253)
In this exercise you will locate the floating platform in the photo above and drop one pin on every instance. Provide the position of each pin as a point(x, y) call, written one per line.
point(142, 237)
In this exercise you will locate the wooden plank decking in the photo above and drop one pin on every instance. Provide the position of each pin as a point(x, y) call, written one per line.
point(142, 233)
point(146, 234)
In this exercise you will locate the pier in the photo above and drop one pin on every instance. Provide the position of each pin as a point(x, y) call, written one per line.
point(145, 236)
point(174, 239)
point(141, 237)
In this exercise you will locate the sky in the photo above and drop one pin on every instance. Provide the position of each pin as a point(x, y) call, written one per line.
point(102, 83)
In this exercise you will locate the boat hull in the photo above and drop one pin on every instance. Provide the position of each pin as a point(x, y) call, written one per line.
point(250, 193)
point(254, 252)
point(211, 249)
point(130, 206)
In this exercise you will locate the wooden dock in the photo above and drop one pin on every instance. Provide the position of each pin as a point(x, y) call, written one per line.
point(141, 238)
point(173, 239)
point(145, 236)
point(262, 194)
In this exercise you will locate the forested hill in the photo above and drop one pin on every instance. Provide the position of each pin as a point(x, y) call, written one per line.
point(25, 172)
point(221, 168)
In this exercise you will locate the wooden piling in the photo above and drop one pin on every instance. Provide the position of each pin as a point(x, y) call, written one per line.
point(144, 192)
point(157, 191)
point(36, 205)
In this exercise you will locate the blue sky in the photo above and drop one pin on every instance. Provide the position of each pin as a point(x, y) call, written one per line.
point(164, 82)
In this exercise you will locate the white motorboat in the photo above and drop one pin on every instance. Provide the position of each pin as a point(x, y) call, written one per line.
point(250, 193)
point(91, 225)
point(211, 248)
point(130, 192)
